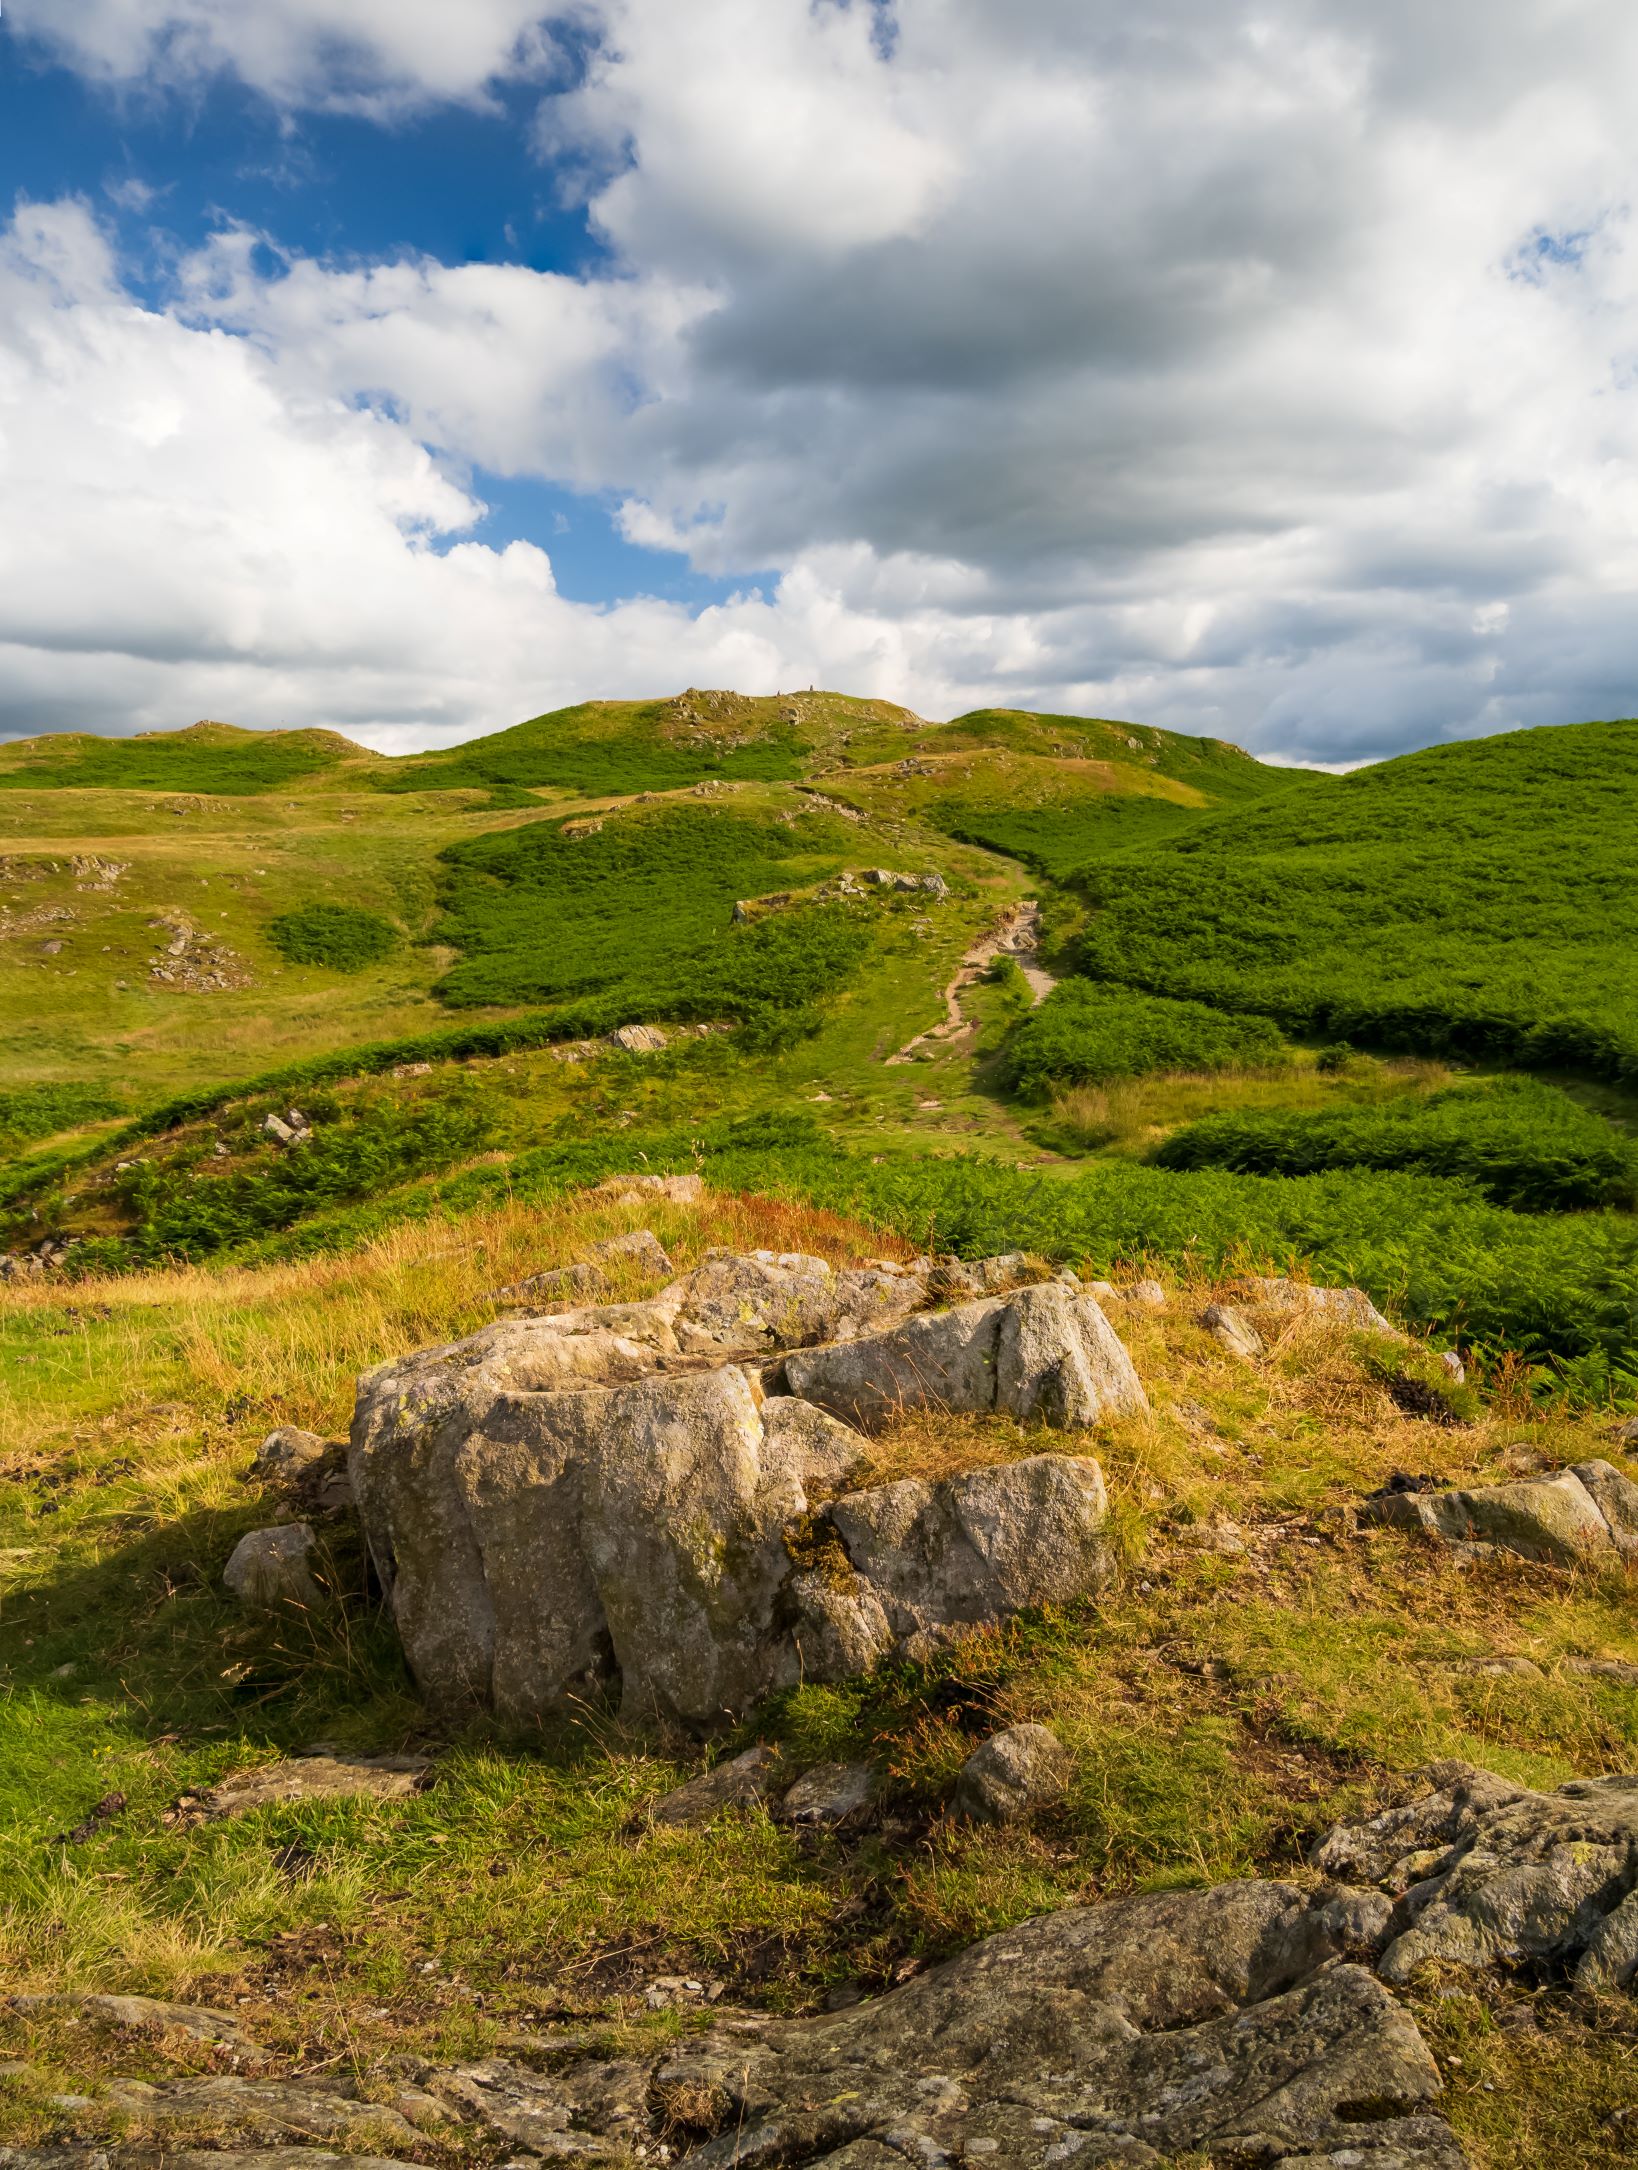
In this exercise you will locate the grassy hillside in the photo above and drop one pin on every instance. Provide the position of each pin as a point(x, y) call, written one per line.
point(211, 757)
point(1478, 899)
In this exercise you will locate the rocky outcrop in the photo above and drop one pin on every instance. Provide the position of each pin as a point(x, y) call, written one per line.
point(1232, 2023)
point(1482, 1871)
point(1581, 1517)
point(1349, 1305)
point(1232, 1331)
point(560, 1503)
point(1226, 2020)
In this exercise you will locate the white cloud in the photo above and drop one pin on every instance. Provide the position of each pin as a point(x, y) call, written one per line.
point(377, 56)
point(1267, 371)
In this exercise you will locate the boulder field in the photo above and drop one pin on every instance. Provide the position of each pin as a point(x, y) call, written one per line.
point(659, 1495)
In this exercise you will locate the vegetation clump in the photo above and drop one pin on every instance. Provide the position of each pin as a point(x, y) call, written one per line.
point(1084, 1034)
point(341, 937)
point(1524, 1143)
point(40, 1111)
point(1475, 900)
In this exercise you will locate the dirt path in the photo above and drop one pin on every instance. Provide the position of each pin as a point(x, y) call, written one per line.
point(1017, 935)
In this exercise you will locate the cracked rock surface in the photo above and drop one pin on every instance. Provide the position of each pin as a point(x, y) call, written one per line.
point(1484, 1872)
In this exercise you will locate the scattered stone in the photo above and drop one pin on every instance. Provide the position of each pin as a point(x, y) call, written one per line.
point(1150, 1295)
point(740, 1782)
point(144, 2015)
point(285, 1453)
point(1011, 1775)
point(1580, 1517)
point(1484, 1872)
point(321, 1776)
point(625, 1190)
point(1625, 1434)
point(1506, 1668)
point(276, 1127)
point(1351, 1305)
point(1612, 1669)
point(639, 1039)
point(1230, 1328)
point(830, 1794)
point(1453, 1367)
point(557, 1284)
point(641, 1247)
point(269, 1568)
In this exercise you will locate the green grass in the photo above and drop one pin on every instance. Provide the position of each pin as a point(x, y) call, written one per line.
point(641, 910)
point(41, 1111)
point(1084, 1034)
point(211, 757)
point(1477, 900)
point(608, 748)
point(1524, 1143)
point(340, 937)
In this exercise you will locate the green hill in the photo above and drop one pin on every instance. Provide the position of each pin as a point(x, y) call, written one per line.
point(1477, 900)
point(210, 757)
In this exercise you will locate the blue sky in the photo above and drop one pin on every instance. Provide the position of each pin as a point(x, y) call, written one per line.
point(1262, 371)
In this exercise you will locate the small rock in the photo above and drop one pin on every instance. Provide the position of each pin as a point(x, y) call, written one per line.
point(271, 1567)
point(829, 1794)
point(1625, 1434)
point(1612, 1669)
point(318, 1777)
point(641, 1246)
point(1012, 1774)
point(144, 2015)
point(276, 1127)
point(289, 1450)
point(1148, 1295)
point(1455, 1370)
point(639, 1039)
point(742, 1780)
point(1234, 1332)
point(1505, 1668)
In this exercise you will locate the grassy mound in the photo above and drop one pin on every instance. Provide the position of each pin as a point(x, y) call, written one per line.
point(1084, 1034)
point(614, 748)
point(1522, 1142)
point(216, 758)
point(638, 912)
point(340, 936)
point(1479, 900)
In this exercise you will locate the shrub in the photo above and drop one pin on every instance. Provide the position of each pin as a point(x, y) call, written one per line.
point(1083, 1035)
point(339, 936)
point(40, 1111)
point(1524, 1143)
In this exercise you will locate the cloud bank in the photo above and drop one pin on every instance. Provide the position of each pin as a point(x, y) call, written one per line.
point(1261, 371)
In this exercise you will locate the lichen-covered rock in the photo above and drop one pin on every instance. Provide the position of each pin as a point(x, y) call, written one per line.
point(639, 1247)
point(317, 1777)
point(558, 1505)
point(1555, 1519)
point(1233, 1332)
point(944, 1557)
point(830, 1794)
point(1350, 1305)
point(1010, 1775)
point(1045, 1352)
point(287, 1452)
point(1485, 1872)
point(273, 1567)
point(735, 1783)
point(1128, 2032)
point(1616, 1498)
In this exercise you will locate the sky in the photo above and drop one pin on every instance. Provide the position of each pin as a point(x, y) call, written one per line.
point(411, 367)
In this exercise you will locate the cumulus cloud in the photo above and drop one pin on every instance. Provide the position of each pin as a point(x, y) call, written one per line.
point(1266, 371)
point(382, 57)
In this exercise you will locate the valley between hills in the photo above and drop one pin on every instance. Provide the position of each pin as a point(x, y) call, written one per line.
point(993, 1508)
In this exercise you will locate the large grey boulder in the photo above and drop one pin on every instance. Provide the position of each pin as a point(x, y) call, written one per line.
point(1045, 1352)
point(1225, 2022)
point(1559, 1519)
point(941, 1558)
point(1485, 1872)
point(558, 1505)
